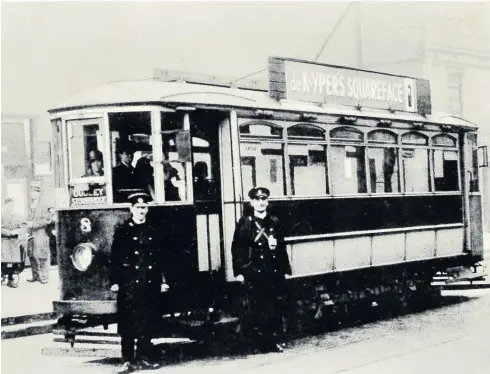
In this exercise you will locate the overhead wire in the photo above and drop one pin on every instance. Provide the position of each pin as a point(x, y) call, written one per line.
point(321, 49)
point(327, 39)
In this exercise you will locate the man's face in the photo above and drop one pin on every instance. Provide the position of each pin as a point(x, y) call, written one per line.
point(260, 204)
point(97, 166)
point(127, 157)
point(139, 211)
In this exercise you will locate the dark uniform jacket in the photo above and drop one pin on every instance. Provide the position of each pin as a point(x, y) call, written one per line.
point(137, 268)
point(252, 256)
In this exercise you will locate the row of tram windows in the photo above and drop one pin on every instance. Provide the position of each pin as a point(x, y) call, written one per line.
point(299, 160)
point(138, 160)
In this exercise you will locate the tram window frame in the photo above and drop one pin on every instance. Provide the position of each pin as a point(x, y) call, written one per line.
point(473, 162)
point(273, 142)
point(390, 141)
point(441, 171)
point(352, 141)
point(418, 143)
point(58, 164)
point(311, 142)
point(84, 189)
point(131, 129)
point(176, 161)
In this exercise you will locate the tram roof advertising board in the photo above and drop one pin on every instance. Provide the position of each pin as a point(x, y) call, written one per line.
point(313, 82)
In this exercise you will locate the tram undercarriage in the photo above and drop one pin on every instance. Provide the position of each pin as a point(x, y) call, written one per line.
point(312, 304)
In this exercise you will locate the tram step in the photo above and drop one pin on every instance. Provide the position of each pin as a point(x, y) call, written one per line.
point(27, 329)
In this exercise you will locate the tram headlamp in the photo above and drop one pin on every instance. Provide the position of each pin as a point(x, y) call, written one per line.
point(82, 256)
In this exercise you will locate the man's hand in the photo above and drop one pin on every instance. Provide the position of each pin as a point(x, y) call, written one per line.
point(115, 288)
point(164, 287)
point(240, 278)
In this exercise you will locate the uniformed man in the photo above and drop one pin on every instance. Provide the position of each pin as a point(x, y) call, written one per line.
point(137, 276)
point(261, 262)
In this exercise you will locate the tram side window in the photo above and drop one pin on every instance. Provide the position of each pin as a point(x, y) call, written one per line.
point(415, 163)
point(347, 162)
point(307, 162)
point(473, 162)
point(383, 162)
point(132, 156)
point(262, 158)
point(445, 164)
point(176, 148)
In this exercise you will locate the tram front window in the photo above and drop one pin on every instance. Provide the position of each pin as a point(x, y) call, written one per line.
point(132, 154)
point(86, 163)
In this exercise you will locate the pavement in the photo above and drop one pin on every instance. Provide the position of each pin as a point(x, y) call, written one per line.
point(28, 309)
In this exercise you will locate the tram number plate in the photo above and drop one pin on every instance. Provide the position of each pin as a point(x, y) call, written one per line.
point(10, 265)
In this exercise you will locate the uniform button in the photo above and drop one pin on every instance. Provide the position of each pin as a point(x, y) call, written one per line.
point(261, 256)
point(150, 238)
point(275, 271)
point(260, 244)
point(149, 281)
point(135, 238)
point(258, 271)
point(137, 281)
point(136, 267)
point(136, 253)
point(149, 267)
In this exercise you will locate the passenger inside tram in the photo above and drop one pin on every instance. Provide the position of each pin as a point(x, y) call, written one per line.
point(203, 188)
point(96, 164)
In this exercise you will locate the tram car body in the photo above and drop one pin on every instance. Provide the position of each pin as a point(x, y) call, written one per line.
point(371, 192)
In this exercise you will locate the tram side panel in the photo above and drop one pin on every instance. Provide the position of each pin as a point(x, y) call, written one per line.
point(342, 234)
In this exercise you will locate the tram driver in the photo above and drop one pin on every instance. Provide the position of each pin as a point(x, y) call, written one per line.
point(124, 175)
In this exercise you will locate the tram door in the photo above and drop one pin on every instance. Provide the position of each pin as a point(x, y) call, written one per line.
point(206, 187)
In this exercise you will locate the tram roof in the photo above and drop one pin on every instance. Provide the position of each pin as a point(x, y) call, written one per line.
point(160, 92)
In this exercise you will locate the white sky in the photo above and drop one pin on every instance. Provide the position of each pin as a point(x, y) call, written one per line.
point(52, 50)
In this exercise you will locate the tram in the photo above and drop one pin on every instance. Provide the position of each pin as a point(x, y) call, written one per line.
point(376, 192)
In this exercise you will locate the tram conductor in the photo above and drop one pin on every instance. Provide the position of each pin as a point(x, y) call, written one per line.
point(137, 276)
point(261, 262)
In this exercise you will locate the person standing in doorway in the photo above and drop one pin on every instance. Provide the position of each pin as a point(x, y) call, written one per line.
point(137, 276)
point(261, 262)
point(37, 223)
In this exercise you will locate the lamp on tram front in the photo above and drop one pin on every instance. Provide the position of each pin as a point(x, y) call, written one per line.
point(83, 255)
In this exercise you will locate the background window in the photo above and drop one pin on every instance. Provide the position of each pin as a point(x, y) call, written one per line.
point(348, 171)
point(445, 170)
point(383, 170)
point(307, 167)
point(415, 167)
